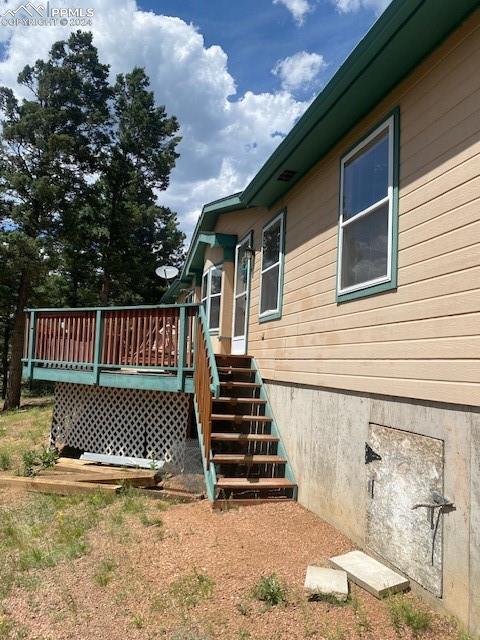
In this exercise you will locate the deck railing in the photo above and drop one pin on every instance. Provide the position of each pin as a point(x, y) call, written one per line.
point(155, 338)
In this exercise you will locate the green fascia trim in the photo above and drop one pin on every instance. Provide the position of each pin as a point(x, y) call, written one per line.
point(276, 315)
point(196, 254)
point(223, 204)
point(401, 38)
point(106, 379)
point(392, 283)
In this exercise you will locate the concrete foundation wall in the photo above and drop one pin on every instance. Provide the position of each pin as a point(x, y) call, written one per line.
point(325, 432)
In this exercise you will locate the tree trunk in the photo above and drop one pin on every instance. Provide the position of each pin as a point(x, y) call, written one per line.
point(12, 400)
point(5, 354)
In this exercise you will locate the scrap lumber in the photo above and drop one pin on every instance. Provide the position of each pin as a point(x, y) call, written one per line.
point(124, 461)
point(59, 486)
point(131, 480)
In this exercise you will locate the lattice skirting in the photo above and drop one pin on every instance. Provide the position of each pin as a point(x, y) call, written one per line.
point(130, 422)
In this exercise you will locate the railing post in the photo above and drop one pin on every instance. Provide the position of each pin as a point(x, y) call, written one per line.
point(97, 355)
point(182, 346)
point(31, 345)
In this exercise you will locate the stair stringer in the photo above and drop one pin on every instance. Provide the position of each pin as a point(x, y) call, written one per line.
point(208, 470)
point(281, 450)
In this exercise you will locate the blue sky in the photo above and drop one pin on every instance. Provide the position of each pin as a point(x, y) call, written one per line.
point(257, 33)
point(238, 75)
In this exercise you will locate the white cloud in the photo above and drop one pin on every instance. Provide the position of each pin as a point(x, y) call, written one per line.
point(226, 137)
point(300, 70)
point(298, 9)
point(348, 6)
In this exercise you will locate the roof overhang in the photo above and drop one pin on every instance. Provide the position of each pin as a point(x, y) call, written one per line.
point(406, 33)
point(401, 38)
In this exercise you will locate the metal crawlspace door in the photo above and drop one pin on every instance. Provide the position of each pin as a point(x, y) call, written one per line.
point(404, 470)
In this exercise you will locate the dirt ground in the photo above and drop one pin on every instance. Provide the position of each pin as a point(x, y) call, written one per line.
point(138, 568)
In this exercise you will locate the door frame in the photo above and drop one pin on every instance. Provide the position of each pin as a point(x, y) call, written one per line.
point(248, 239)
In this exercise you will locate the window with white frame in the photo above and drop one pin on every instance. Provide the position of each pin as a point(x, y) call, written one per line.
point(211, 295)
point(366, 212)
point(271, 274)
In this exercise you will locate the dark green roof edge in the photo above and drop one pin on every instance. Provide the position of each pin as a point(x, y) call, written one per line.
point(406, 33)
point(435, 19)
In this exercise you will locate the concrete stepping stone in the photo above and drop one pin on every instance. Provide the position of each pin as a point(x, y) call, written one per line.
point(327, 582)
point(371, 575)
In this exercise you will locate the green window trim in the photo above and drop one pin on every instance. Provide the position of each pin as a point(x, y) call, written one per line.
point(206, 299)
point(274, 314)
point(389, 282)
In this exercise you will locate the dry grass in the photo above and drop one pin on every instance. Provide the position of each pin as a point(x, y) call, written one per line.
point(148, 571)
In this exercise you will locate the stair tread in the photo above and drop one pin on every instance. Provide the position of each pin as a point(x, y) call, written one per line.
point(234, 458)
point(240, 400)
point(224, 369)
point(248, 385)
point(234, 356)
point(248, 483)
point(240, 418)
point(250, 437)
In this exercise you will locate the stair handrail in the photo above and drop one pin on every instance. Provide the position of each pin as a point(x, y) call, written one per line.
point(215, 382)
point(207, 387)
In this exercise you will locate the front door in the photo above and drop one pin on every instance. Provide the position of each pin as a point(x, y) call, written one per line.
point(241, 295)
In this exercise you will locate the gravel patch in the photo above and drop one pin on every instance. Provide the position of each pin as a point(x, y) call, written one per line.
point(187, 573)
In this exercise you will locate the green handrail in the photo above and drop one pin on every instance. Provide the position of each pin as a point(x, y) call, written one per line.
point(215, 385)
point(112, 308)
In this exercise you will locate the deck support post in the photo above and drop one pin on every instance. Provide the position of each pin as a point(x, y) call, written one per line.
point(31, 345)
point(182, 347)
point(97, 356)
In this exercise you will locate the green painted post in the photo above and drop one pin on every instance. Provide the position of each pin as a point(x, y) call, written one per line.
point(97, 356)
point(31, 345)
point(182, 346)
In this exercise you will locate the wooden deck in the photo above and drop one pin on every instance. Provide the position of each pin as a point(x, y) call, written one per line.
point(133, 347)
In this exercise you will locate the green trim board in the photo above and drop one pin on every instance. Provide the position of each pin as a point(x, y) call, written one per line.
point(155, 382)
point(277, 313)
point(393, 119)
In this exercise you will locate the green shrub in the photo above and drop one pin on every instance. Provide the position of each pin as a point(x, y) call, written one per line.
point(29, 459)
point(47, 457)
point(270, 590)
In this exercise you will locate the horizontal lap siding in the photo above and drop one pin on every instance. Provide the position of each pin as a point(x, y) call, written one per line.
point(421, 341)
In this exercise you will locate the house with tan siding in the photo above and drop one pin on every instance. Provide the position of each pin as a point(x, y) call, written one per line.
point(349, 271)
point(324, 333)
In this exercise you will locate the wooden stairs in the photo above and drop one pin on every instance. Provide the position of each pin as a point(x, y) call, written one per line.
point(250, 463)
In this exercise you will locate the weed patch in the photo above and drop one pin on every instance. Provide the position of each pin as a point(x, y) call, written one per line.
point(104, 574)
point(190, 590)
point(404, 614)
point(5, 459)
point(270, 590)
point(44, 532)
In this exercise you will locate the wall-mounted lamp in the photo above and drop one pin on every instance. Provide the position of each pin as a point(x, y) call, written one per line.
point(249, 252)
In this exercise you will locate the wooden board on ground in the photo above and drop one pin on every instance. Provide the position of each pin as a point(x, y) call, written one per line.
point(58, 486)
point(131, 480)
point(124, 461)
